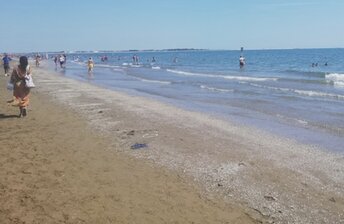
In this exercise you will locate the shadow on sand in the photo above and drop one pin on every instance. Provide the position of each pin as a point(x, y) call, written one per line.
point(4, 116)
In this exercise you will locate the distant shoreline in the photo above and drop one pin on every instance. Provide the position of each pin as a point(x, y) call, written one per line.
point(166, 50)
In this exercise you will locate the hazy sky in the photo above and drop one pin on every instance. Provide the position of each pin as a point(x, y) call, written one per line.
point(46, 25)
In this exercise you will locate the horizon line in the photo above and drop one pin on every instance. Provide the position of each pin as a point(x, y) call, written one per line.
point(169, 49)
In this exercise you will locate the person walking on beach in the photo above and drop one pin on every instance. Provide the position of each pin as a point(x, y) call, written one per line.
point(6, 60)
point(20, 91)
point(90, 65)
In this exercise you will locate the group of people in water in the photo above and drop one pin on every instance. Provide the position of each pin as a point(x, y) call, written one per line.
point(19, 75)
point(104, 58)
point(316, 64)
point(61, 60)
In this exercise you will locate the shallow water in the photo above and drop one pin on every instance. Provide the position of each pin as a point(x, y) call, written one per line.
point(277, 90)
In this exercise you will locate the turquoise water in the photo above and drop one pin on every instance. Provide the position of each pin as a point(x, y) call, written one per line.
point(278, 90)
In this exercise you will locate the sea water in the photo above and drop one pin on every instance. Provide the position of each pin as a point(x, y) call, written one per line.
point(296, 93)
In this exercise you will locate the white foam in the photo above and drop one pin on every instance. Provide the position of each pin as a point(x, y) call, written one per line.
point(216, 89)
point(303, 122)
point(156, 67)
point(154, 81)
point(299, 121)
point(310, 93)
point(319, 94)
point(135, 66)
point(246, 78)
point(269, 87)
point(336, 78)
point(108, 66)
point(79, 62)
point(117, 69)
point(184, 73)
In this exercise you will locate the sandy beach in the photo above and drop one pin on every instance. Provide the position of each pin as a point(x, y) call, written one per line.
point(55, 168)
point(71, 161)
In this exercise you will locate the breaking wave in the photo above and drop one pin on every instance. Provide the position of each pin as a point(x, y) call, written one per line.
point(310, 93)
point(336, 78)
point(240, 78)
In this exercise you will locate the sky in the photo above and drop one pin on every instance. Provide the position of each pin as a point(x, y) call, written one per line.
point(46, 25)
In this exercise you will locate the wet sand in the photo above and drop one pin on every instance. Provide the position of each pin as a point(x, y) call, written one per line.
point(55, 168)
point(196, 168)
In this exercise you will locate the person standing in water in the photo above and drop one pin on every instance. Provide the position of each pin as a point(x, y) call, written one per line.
point(61, 60)
point(90, 65)
point(65, 60)
point(55, 61)
point(241, 61)
point(38, 58)
point(241, 58)
point(134, 59)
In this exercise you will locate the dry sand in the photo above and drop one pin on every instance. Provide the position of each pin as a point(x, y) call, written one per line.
point(194, 168)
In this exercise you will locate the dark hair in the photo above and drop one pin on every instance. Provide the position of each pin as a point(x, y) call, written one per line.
point(23, 62)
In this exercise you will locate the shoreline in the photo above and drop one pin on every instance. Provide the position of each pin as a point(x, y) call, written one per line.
point(56, 169)
point(212, 152)
point(249, 99)
point(276, 179)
